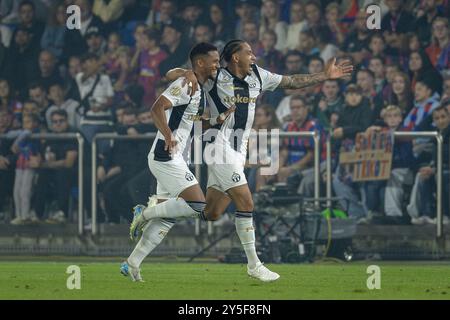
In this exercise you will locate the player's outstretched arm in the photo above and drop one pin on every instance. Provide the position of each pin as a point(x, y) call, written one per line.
point(208, 122)
point(189, 78)
point(332, 71)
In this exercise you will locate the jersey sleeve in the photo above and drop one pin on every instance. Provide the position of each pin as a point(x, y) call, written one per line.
point(270, 81)
point(177, 94)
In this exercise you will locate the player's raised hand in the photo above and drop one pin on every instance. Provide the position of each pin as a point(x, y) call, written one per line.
point(224, 115)
point(341, 70)
point(191, 80)
point(170, 144)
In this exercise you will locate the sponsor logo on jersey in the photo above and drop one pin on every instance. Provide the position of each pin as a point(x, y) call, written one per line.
point(239, 99)
point(194, 117)
point(236, 177)
point(189, 176)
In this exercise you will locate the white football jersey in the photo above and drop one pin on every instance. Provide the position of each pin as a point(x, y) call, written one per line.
point(227, 90)
point(180, 119)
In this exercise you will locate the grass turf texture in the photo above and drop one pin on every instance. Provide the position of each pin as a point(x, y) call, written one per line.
point(185, 281)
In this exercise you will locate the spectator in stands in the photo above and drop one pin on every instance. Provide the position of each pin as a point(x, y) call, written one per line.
point(158, 17)
point(365, 79)
point(328, 104)
point(391, 70)
point(352, 120)
point(377, 47)
point(190, 14)
point(116, 64)
point(421, 208)
point(297, 154)
point(54, 33)
point(56, 95)
point(134, 94)
point(424, 104)
point(421, 68)
point(268, 57)
point(150, 61)
point(145, 119)
point(118, 169)
point(297, 23)
point(265, 119)
point(314, 17)
point(23, 61)
point(109, 12)
point(38, 94)
point(251, 36)
point(439, 49)
point(357, 41)
point(327, 49)
point(57, 170)
point(203, 33)
point(9, 104)
point(401, 95)
point(308, 43)
point(395, 24)
point(95, 41)
point(6, 160)
point(176, 46)
point(376, 65)
point(423, 23)
point(28, 159)
point(388, 195)
point(28, 21)
point(446, 89)
point(70, 84)
point(75, 40)
point(270, 20)
point(48, 71)
point(217, 16)
point(246, 12)
point(96, 92)
point(333, 16)
point(294, 62)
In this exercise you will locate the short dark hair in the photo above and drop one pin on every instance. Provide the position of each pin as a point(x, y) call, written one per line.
point(35, 85)
point(144, 110)
point(301, 98)
point(27, 3)
point(231, 48)
point(153, 34)
point(317, 58)
point(442, 107)
point(368, 71)
point(130, 111)
point(201, 49)
point(60, 112)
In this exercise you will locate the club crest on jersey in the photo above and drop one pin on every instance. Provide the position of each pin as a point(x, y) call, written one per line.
point(236, 177)
point(189, 176)
point(252, 85)
point(175, 91)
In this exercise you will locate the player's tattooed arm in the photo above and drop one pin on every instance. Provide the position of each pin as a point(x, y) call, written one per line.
point(331, 71)
point(209, 122)
point(189, 78)
point(298, 81)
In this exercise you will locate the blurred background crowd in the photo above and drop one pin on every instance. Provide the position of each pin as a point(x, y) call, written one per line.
point(105, 77)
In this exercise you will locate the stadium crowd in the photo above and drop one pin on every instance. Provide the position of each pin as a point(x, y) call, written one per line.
point(106, 76)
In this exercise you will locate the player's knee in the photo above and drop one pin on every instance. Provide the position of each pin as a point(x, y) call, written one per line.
point(212, 214)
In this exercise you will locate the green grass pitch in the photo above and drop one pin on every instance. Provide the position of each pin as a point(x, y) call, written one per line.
point(185, 281)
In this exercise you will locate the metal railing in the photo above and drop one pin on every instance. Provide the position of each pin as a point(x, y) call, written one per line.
point(425, 134)
point(111, 136)
point(80, 142)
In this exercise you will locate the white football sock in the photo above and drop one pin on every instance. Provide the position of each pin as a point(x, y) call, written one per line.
point(175, 208)
point(154, 232)
point(246, 233)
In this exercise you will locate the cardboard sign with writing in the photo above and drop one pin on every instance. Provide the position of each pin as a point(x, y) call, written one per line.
point(368, 158)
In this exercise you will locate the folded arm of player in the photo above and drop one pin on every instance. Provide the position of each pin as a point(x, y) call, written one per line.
point(189, 78)
point(332, 71)
point(159, 115)
point(211, 122)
